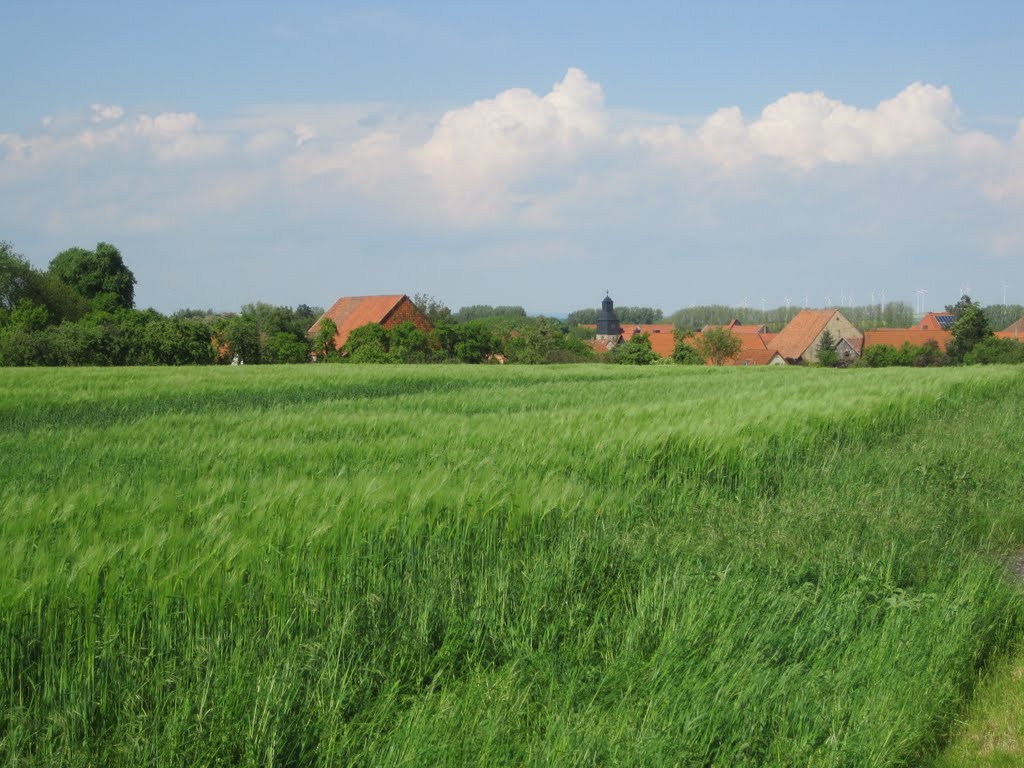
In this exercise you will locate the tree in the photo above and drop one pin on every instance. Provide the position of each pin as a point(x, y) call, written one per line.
point(323, 342)
point(970, 328)
point(826, 353)
point(100, 276)
point(407, 344)
point(368, 344)
point(719, 345)
point(636, 351)
point(685, 353)
point(433, 309)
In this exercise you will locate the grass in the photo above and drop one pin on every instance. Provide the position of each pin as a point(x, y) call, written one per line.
point(341, 565)
point(992, 736)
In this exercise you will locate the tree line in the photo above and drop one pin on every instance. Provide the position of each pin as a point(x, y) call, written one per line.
point(81, 311)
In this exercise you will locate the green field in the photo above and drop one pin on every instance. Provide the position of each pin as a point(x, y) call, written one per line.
point(589, 565)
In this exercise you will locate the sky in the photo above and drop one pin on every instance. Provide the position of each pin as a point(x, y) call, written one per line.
point(539, 154)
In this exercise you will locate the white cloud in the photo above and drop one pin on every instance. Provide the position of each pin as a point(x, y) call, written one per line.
point(519, 158)
point(103, 112)
point(476, 153)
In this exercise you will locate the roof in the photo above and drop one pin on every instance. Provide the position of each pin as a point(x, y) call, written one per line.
point(935, 321)
point(1014, 330)
point(897, 337)
point(662, 336)
point(351, 312)
point(800, 332)
point(737, 328)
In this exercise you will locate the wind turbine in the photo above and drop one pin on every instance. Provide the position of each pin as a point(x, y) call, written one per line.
point(787, 300)
point(1005, 286)
point(764, 304)
point(828, 301)
point(807, 301)
point(745, 303)
point(964, 288)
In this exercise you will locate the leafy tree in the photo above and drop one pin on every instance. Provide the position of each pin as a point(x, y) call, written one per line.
point(100, 275)
point(719, 345)
point(242, 336)
point(970, 328)
point(433, 309)
point(826, 353)
point(19, 281)
point(993, 350)
point(323, 341)
point(636, 351)
point(282, 347)
point(408, 344)
point(367, 344)
point(483, 311)
point(471, 342)
point(685, 353)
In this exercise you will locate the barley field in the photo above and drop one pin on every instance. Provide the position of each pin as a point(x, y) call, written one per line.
point(586, 565)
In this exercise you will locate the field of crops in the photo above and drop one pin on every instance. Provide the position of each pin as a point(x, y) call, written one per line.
point(357, 565)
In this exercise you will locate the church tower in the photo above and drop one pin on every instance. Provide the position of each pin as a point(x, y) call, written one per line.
point(608, 327)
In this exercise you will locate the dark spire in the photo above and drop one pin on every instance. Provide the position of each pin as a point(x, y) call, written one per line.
point(607, 322)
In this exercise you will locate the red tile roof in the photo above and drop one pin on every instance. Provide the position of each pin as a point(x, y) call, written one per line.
point(351, 312)
point(1014, 330)
point(897, 337)
point(662, 336)
point(793, 340)
point(935, 321)
point(737, 328)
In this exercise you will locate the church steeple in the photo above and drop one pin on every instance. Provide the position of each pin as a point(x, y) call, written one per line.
point(607, 321)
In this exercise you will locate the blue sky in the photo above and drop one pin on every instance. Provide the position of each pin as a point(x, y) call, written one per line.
point(525, 153)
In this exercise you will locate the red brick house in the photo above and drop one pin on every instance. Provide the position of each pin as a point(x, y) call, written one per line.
point(897, 337)
point(935, 321)
point(351, 312)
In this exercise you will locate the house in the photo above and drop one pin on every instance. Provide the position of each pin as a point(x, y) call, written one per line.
point(1013, 331)
point(351, 312)
point(897, 337)
point(935, 321)
point(798, 341)
point(661, 335)
point(735, 326)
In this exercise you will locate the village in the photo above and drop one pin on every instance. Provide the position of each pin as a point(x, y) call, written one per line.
point(809, 335)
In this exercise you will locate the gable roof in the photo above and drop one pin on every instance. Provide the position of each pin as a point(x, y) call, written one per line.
point(936, 321)
point(736, 327)
point(351, 312)
point(800, 332)
point(661, 335)
point(897, 337)
point(1014, 330)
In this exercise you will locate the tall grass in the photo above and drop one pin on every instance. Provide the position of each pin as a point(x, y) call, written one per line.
point(400, 566)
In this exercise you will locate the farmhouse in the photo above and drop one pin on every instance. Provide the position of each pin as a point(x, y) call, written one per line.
point(661, 336)
point(936, 321)
point(798, 341)
point(351, 312)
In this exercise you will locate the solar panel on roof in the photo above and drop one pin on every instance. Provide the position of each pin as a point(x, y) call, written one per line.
point(945, 321)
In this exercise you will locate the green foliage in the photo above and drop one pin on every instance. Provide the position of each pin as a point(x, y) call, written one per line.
point(100, 276)
point(970, 328)
point(432, 308)
point(626, 315)
point(367, 344)
point(685, 353)
point(472, 565)
point(471, 342)
point(323, 341)
point(992, 350)
point(826, 353)
point(485, 311)
point(544, 340)
point(893, 314)
point(719, 345)
point(920, 356)
point(636, 351)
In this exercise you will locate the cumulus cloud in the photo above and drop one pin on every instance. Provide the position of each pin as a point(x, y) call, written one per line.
point(479, 151)
point(102, 112)
point(518, 157)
